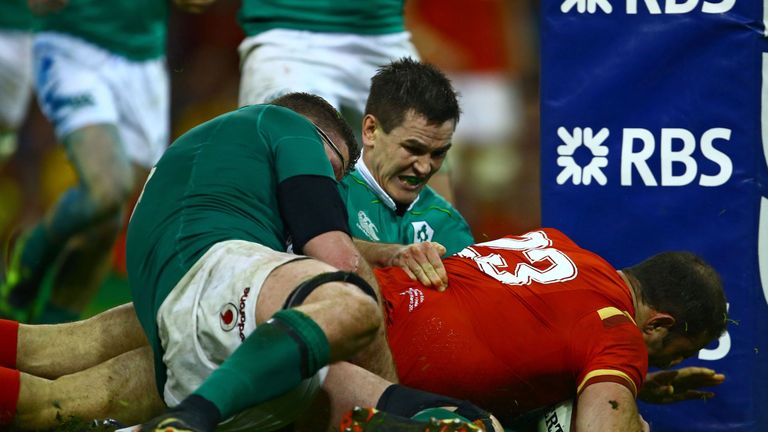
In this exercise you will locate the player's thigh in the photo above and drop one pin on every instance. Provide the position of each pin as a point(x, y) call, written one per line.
point(283, 280)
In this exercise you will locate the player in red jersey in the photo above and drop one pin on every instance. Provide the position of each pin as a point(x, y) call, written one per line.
point(526, 322)
point(532, 320)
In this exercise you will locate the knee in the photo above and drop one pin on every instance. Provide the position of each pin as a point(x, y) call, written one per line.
point(367, 311)
point(363, 313)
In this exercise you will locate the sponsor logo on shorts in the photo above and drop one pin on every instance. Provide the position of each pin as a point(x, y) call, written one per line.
point(415, 298)
point(228, 317)
point(241, 321)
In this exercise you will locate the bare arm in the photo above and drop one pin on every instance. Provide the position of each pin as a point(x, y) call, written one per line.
point(608, 407)
point(420, 261)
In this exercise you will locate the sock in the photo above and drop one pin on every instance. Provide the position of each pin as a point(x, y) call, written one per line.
point(9, 339)
point(272, 360)
point(9, 394)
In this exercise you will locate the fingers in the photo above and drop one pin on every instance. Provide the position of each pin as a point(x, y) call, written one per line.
point(422, 262)
point(698, 377)
point(662, 377)
point(693, 370)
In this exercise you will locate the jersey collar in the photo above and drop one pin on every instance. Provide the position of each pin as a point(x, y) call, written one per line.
point(378, 190)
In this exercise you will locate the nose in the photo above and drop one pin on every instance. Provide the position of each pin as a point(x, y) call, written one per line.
point(423, 165)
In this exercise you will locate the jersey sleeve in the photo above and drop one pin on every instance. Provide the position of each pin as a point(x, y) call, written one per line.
point(296, 145)
point(609, 347)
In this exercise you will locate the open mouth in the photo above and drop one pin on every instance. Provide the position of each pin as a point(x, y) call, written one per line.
point(412, 180)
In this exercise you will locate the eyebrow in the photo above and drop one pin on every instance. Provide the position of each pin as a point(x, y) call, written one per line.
point(421, 146)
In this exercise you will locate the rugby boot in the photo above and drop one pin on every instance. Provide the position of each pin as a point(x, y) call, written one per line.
point(373, 420)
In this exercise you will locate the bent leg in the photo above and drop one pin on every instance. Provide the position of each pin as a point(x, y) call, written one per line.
point(51, 351)
point(336, 320)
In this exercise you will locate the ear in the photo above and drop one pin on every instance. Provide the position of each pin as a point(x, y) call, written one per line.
point(658, 324)
point(369, 130)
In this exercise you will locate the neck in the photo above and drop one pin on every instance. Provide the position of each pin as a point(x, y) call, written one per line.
point(641, 310)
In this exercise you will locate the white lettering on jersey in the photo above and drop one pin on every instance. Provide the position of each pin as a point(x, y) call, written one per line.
point(536, 248)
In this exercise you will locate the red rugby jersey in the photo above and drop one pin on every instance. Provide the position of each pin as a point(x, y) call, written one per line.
point(527, 321)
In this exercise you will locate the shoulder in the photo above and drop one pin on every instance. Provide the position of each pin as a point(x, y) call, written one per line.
point(429, 200)
point(353, 183)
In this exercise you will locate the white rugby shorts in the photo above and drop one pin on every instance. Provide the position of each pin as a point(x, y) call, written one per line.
point(207, 316)
point(335, 66)
point(79, 84)
point(15, 77)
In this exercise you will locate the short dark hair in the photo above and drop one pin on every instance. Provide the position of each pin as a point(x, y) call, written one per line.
point(683, 285)
point(325, 116)
point(407, 84)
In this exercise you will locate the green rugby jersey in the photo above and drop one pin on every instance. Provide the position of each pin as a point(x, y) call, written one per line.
point(372, 216)
point(15, 15)
point(217, 182)
point(365, 17)
point(134, 29)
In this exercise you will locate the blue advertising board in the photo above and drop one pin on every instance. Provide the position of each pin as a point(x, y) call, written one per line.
point(654, 137)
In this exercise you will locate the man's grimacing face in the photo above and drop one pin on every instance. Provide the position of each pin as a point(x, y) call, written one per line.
point(403, 160)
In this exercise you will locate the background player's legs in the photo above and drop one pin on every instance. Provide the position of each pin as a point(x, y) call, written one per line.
point(122, 388)
point(106, 179)
point(84, 265)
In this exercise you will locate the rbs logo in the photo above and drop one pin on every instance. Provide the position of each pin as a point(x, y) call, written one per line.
point(676, 149)
point(653, 7)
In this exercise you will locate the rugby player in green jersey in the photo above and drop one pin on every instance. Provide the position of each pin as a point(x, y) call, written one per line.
point(410, 116)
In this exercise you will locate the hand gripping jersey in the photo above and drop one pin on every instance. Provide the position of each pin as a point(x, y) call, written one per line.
point(526, 322)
